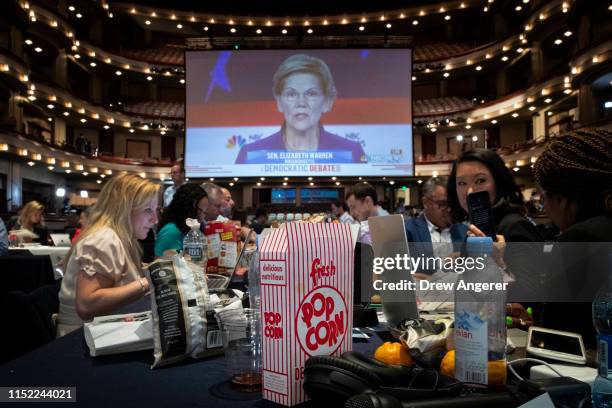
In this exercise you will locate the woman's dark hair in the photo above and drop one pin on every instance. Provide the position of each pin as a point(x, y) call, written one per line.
point(183, 206)
point(578, 165)
point(505, 187)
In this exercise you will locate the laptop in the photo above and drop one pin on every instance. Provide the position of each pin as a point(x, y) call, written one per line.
point(219, 283)
point(61, 240)
point(389, 240)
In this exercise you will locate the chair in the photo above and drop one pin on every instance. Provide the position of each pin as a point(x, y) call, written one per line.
point(27, 320)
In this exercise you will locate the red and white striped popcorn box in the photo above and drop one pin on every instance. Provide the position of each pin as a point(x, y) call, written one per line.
point(306, 300)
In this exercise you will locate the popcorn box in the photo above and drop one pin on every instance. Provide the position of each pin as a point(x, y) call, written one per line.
point(306, 301)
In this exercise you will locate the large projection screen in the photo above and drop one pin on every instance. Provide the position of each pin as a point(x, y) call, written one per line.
point(332, 112)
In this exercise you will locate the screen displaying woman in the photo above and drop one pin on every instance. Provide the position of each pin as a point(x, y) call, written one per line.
point(304, 90)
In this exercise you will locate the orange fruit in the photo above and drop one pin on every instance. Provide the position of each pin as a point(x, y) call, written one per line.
point(393, 353)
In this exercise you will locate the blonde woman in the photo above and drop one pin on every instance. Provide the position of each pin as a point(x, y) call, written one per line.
point(31, 219)
point(304, 90)
point(104, 270)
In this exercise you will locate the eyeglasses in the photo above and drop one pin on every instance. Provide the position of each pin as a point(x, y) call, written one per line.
point(311, 95)
point(441, 204)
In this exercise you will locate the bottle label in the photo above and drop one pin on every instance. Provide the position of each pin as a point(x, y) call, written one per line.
point(471, 348)
point(605, 364)
point(195, 252)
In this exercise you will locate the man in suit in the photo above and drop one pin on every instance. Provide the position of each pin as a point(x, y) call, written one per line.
point(432, 233)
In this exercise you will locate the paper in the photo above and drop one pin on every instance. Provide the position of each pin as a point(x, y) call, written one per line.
point(116, 334)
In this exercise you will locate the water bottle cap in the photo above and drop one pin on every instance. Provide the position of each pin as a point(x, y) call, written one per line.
point(192, 223)
point(480, 245)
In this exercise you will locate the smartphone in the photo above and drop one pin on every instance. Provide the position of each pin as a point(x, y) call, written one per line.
point(481, 214)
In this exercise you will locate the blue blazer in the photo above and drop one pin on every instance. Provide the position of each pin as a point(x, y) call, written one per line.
point(419, 239)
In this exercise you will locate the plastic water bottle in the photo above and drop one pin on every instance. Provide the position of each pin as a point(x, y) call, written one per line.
point(602, 319)
point(194, 243)
point(254, 287)
point(480, 317)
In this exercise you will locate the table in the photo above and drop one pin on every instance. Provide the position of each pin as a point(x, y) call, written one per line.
point(127, 379)
point(56, 254)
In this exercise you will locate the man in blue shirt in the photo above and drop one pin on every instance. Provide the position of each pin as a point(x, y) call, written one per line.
point(3, 239)
point(432, 233)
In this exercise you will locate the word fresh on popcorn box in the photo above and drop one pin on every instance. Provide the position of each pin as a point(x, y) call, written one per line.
point(306, 301)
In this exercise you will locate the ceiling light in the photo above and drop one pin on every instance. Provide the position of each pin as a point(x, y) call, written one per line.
point(50, 167)
point(446, 75)
point(414, 78)
point(32, 98)
point(149, 78)
point(567, 91)
point(494, 121)
point(309, 178)
point(50, 119)
point(478, 68)
point(519, 50)
point(415, 22)
point(205, 28)
point(106, 127)
point(284, 184)
point(459, 138)
point(71, 8)
point(66, 113)
point(147, 22)
point(504, 58)
point(309, 31)
point(182, 81)
point(179, 26)
point(311, 183)
point(549, 113)
point(361, 28)
point(79, 15)
point(118, 73)
point(558, 41)
point(51, 106)
point(83, 120)
point(567, 33)
point(468, 126)
point(548, 100)
point(259, 183)
point(232, 30)
point(284, 31)
point(532, 108)
point(337, 183)
point(333, 178)
point(388, 25)
point(99, 181)
point(515, 115)
point(448, 17)
point(92, 64)
point(518, 8)
point(258, 31)
point(131, 130)
point(474, 138)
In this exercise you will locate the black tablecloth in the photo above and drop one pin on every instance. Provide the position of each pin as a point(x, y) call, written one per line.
point(127, 379)
point(25, 272)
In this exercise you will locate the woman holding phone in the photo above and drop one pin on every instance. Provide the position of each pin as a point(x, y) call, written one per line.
point(482, 170)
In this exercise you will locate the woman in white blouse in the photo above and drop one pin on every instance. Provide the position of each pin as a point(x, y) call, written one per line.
point(104, 270)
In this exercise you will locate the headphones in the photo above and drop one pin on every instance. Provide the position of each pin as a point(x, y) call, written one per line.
point(333, 380)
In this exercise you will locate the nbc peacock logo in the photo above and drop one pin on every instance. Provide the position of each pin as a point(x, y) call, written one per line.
point(234, 141)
